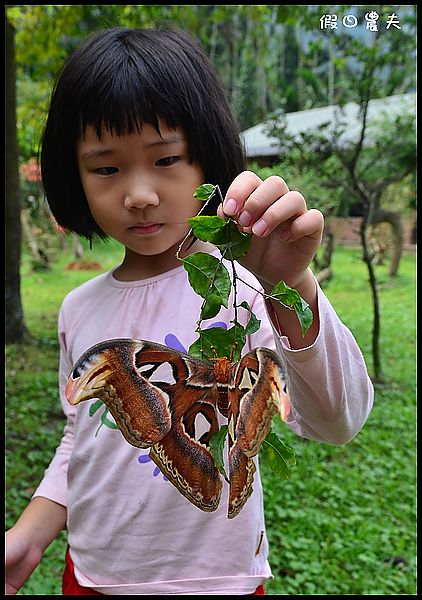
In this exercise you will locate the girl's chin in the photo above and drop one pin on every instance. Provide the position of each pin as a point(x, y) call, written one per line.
point(151, 250)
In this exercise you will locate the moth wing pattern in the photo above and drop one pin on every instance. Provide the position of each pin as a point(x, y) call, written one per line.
point(176, 414)
point(183, 454)
point(186, 460)
point(109, 371)
point(155, 414)
point(256, 389)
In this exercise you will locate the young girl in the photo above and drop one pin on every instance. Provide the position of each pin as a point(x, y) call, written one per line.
point(137, 122)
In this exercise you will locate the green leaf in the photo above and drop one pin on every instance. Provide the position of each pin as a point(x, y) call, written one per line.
point(94, 407)
point(253, 324)
point(204, 192)
point(304, 314)
point(285, 294)
point(279, 457)
point(107, 421)
point(291, 298)
point(238, 242)
point(218, 342)
point(211, 307)
point(245, 304)
point(208, 276)
point(223, 234)
point(217, 442)
point(209, 229)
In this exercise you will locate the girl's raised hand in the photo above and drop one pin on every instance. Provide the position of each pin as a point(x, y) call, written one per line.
point(286, 234)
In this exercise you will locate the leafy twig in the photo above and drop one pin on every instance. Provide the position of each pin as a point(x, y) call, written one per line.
point(210, 279)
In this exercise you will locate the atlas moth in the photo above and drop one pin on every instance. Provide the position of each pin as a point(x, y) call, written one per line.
point(159, 396)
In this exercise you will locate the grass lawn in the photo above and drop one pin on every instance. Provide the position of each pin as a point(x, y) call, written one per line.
point(344, 524)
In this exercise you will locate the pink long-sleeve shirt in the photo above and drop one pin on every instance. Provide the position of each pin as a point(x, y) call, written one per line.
point(129, 530)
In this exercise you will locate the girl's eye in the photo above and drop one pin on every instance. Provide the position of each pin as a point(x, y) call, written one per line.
point(167, 161)
point(106, 170)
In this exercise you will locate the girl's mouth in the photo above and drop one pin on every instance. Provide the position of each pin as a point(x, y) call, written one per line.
point(146, 228)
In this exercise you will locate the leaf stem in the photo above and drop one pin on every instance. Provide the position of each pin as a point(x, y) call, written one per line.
point(189, 233)
point(264, 295)
point(228, 248)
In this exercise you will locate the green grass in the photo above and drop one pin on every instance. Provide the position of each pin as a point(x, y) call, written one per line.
point(344, 523)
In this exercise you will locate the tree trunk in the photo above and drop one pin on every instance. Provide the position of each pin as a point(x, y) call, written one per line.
point(299, 80)
point(375, 300)
point(40, 259)
point(323, 275)
point(394, 219)
point(78, 249)
point(323, 265)
point(15, 326)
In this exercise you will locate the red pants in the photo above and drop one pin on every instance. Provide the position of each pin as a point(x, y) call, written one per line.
point(72, 588)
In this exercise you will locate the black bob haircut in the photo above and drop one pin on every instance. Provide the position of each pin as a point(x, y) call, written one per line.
point(120, 79)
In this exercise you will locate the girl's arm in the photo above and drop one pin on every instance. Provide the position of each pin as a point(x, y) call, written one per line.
point(54, 483)
point(46, 514)
point(331, 394)
point(26, 541)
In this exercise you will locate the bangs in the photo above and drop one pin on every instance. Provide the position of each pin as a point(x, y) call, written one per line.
point(136, 86)
point(122, 104)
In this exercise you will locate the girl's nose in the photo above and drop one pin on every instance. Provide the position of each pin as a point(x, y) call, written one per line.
point(140, 195)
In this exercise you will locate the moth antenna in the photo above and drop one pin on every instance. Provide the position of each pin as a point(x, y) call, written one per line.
point(233, 351)
point(214, 354)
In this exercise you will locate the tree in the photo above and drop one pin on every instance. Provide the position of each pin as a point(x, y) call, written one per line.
point(365, 166)
point(15, 326)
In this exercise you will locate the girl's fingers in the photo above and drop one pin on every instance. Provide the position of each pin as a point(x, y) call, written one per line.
point(267, 214)
point(280, 213)
point(249, 195)
point(310, 224)
point(240, 189)
point(260, 207)
point(261, 201)
point(255, 204)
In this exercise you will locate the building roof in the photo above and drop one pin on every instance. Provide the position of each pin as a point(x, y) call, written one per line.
point(259, 144)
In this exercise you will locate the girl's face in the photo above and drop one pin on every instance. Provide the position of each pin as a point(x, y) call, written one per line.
point(139, 187)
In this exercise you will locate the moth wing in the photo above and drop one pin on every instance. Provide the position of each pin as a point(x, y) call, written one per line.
point(156, 396)
point(182, 454)
point(241, 473)
point(184, 458)
point(260, 379)
point(126, 374)
point(256, 388)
